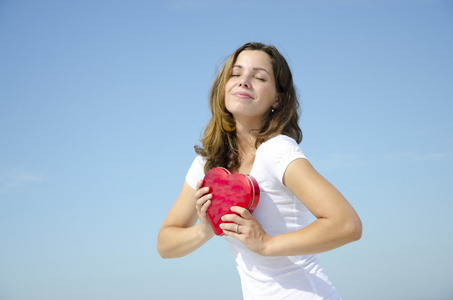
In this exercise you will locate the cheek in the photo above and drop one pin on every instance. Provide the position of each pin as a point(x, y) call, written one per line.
point(228, 85)
point(268, 93)
point(272, 92)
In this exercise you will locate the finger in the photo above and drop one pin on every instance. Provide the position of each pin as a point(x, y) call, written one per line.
point(199, 184)
point(243, 212)
point(231, 228)
point(233, 218)
point(202, 200)
point(205, 206)
point(202, 191)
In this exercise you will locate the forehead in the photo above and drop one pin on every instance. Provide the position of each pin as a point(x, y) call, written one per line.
point(254, 59)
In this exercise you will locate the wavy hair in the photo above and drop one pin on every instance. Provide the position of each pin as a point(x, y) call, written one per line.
point(220, 143)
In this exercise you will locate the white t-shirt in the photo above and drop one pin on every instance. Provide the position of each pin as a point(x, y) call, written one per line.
point(278, 211)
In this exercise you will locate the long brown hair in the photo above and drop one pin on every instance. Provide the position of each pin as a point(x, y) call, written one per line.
point(220, 144)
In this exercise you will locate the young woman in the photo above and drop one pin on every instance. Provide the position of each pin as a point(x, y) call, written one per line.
point(254, 130)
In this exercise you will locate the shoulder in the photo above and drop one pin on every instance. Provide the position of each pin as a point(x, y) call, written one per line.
point(277, 153)
point(280, 146)
point(196, 171)
point(279, 141)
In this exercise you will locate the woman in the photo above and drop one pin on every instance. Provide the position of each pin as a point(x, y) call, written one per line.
point(254, 130)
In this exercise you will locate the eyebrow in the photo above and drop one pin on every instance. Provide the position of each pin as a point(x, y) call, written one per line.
point(255, 69)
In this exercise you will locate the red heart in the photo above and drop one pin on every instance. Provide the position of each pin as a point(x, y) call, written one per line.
point(229, 189)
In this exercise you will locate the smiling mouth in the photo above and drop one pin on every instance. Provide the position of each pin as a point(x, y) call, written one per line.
point(242, 95)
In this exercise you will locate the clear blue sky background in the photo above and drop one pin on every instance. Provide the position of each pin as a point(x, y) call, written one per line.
point(101, 103)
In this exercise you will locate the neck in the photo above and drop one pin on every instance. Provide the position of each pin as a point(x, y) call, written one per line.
point(245, 139)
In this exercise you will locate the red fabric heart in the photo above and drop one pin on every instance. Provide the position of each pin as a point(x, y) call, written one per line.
point(229, 189)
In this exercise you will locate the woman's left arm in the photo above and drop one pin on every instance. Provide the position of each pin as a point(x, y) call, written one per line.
point(336, 224)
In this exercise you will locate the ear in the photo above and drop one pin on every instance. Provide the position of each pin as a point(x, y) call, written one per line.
point(276, 103)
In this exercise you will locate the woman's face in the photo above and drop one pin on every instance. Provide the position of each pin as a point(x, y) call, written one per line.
point(250, 92)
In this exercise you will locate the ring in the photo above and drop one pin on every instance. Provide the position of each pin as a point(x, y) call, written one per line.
point(237, 228)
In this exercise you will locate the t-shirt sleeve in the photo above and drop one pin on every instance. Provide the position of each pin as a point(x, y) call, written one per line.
point(196, 172)
point(278, 153)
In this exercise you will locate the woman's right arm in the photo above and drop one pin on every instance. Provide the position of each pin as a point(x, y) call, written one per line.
point(179, 235)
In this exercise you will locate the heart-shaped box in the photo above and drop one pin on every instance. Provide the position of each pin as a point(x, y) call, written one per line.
point(229, 189)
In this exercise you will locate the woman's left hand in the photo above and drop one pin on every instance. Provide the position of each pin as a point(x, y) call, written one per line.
point(246, 229)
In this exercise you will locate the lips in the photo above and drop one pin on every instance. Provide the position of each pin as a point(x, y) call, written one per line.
point(243, 95)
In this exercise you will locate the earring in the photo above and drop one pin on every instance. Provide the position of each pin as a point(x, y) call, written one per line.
point(272, 109)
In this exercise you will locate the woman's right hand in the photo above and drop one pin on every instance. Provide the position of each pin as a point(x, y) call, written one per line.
point(180, 234)
point(202, 202)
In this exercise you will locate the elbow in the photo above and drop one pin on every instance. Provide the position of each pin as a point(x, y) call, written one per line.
point(163, 255)
point(161, 249)
point(353, 229)
point(163, 252)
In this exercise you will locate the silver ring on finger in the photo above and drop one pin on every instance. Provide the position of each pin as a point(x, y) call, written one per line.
point(237, 229)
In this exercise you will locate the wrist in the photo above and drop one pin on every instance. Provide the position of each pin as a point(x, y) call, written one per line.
point(203, 234)
point(267, 249)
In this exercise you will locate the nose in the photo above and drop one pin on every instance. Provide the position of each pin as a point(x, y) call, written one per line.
point(244, 81)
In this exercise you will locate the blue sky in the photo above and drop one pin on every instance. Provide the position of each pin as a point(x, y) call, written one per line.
point(101, 103)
